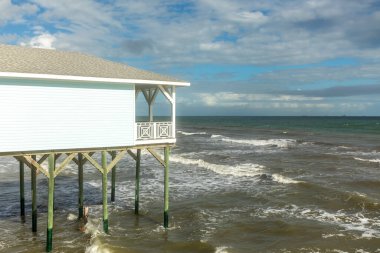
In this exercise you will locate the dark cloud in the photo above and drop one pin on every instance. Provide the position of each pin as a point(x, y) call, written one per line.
point(317, 24)
point(341, 91)
point(363, 27)
point(365, 35)
point(138, 47)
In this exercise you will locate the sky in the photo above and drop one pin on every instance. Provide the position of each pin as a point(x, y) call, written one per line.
point(242, 57)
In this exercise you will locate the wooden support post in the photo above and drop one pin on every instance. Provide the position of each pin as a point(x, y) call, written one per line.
point(49, 234)
point(150, 106)
point(22, 192)
point(80, 186)
point(104, 192)
point(173, 112)
point(166, 187)
point(113, 181)
point(34, 196)
point(137, 183)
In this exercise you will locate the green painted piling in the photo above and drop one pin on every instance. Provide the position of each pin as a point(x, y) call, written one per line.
point(22, 193)
point(137, 184)
point(166, 188)
point(113, 181)
point(80, 186)
point(104, 191)
point(34, 196)
point(49, 234)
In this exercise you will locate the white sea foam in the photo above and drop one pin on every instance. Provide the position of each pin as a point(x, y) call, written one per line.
point(241, 170)
point(92, 228)
point(281, 143)
point(188, 133)
point(368, 227)
point(3, 245)
point(221, 249)
point(332, 235)
point(97, 247)
point(367, 160)
point(363, 251)
point(72, 217)
point(284, 180)
point(94, 183)
point(339, 251)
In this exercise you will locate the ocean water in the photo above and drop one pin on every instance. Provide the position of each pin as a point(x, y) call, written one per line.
point(237, 184)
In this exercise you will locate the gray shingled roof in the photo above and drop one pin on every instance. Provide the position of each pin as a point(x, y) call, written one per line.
point(19, 59)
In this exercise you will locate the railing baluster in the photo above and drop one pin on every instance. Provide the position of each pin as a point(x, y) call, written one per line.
point(154, 130)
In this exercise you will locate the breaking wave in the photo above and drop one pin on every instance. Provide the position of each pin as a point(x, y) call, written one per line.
point(357, 222)
point(368, 160)
point(241, 170)
point(93, 228)
point(284, 180)
point(280, 143)
point(188, 133)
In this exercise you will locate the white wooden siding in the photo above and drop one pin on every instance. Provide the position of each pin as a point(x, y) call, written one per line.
point(50, 115)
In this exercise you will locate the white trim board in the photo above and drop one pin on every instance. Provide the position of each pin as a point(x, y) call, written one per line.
point(90, 79)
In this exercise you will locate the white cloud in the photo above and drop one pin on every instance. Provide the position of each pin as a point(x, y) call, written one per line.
point(210, 46)
point(362, 106)
point(262, 32)
point(255, 17)
point(230, 99)
point(44, 40)
point(269, 104)
point(15, 13)
point(223, 32)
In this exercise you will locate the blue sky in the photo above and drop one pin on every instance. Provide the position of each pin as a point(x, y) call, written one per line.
point(243, 57)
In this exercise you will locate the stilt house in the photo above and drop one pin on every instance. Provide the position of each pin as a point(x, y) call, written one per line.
point(71, 105)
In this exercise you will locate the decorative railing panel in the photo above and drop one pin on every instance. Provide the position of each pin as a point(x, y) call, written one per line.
point(154, 130)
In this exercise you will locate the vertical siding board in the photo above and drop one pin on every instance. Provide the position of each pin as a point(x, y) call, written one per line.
point(65, 115)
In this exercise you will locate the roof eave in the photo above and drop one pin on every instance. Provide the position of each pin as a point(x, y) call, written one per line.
point(91, 79)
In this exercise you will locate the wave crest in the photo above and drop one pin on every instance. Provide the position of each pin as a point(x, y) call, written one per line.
point(284, 180)
point(280, 143)
point(241, 170)
point(368, 227)
point(189, 133)
point(367, 160)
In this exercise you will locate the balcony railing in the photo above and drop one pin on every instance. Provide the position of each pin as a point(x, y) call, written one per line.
point(154, 130)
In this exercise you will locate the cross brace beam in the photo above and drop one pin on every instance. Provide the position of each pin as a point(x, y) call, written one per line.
point(109, 167)
point(31, 163)
point(84, 159)
point(62, 166)
point(157, 156)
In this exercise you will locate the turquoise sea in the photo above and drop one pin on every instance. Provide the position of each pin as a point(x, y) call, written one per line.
point(237, 184)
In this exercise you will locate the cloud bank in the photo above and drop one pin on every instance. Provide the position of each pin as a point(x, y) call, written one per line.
point(300, 49)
